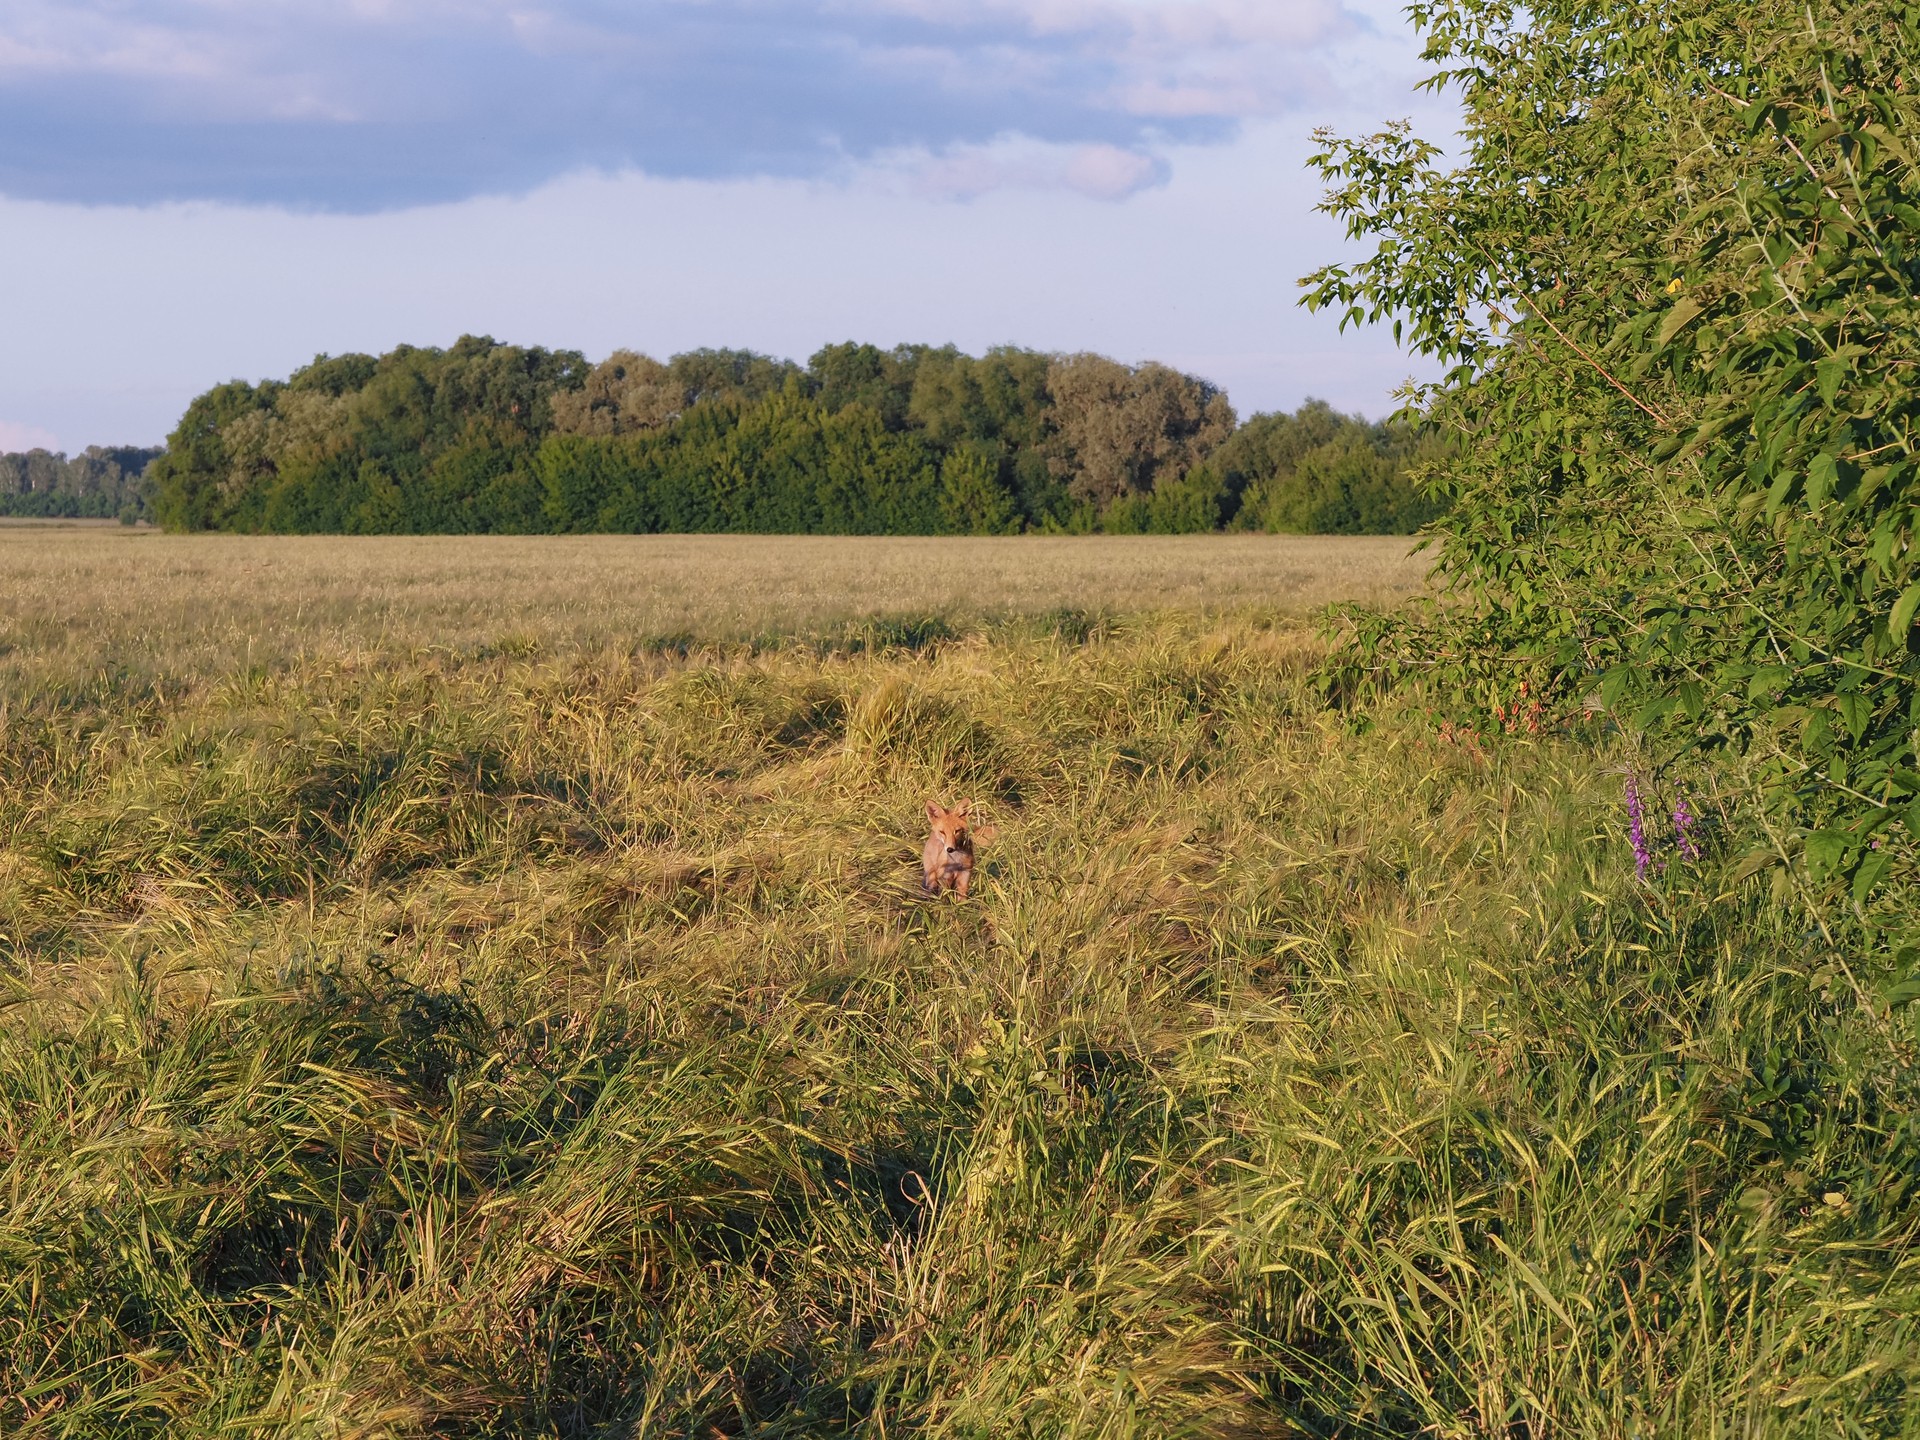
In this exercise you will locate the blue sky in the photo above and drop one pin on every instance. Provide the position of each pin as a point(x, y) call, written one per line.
point(192, 190)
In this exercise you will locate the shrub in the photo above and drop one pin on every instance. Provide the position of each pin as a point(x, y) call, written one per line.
point(1675, 279)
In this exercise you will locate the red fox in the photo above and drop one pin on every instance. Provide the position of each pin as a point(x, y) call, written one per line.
point(947, 861)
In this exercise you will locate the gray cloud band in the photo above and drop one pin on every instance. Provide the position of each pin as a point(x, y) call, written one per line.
point(362, 108)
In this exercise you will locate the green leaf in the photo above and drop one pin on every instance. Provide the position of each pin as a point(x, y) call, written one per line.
point(1685, 310)
point(1649, 714)
point(1816, 734)
point(1752, 863)
point(1782, 488)
point(1826, 851)
point(1900, 621)
point(1614, 684)
point(1869, 874)
point(1820, 478)
point(1903, 992)
point(1856, 709)
point(1906, 969)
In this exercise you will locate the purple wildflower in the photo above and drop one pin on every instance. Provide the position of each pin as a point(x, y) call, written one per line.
point(1683, 822)
point(1637, 829)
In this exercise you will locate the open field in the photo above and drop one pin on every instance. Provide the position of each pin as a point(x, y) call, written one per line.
point(56, 523)
point(421, 1037)
point(79, 600)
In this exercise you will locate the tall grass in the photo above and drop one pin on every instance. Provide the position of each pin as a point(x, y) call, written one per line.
point(557, 1044)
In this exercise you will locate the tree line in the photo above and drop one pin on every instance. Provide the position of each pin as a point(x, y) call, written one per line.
point(102, 482)
point(489, 437)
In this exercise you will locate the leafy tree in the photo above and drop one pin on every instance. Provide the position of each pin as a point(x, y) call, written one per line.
point(876, 481)
point(1358, 483)
point(1318, 472)
point(972, 499)
point(1119, 429)
point(625, 392)
point(743, 375)
point(1263, 454)
point(1190, 504)
point(1675, 277)
point(196, 485)
point(997, 405)
point(32, 472)
point(1329, 488)
point(335, 375)
point(436, 434)
point(882, 380)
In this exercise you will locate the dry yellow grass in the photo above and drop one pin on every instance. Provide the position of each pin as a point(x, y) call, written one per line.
point(470, 1022)
point(79, 601)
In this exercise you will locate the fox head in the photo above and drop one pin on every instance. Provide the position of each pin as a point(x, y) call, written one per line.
point(950, 827)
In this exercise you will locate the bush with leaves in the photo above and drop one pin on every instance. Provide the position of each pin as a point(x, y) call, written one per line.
point(1674, 274)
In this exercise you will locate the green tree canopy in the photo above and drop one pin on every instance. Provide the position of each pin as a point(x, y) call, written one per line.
point(1674, 274)
point(1118, 429)
point(484, 436)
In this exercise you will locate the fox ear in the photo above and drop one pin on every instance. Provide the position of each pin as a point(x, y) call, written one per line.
point(963, 808)
point(934, 812)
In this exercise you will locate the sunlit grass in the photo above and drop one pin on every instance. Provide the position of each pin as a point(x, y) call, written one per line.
point(137, 603)
point(552, 1040)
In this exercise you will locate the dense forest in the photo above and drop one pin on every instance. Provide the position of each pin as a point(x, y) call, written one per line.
point(99, 483)
point(488, 437)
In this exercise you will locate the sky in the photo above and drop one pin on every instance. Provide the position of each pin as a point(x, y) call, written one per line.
point(193, 191)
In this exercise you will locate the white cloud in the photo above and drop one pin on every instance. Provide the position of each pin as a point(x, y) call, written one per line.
point(15, 436)
point(1012, 162)
point(1107, 172)
point(67, 41)
point(1146, 23)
